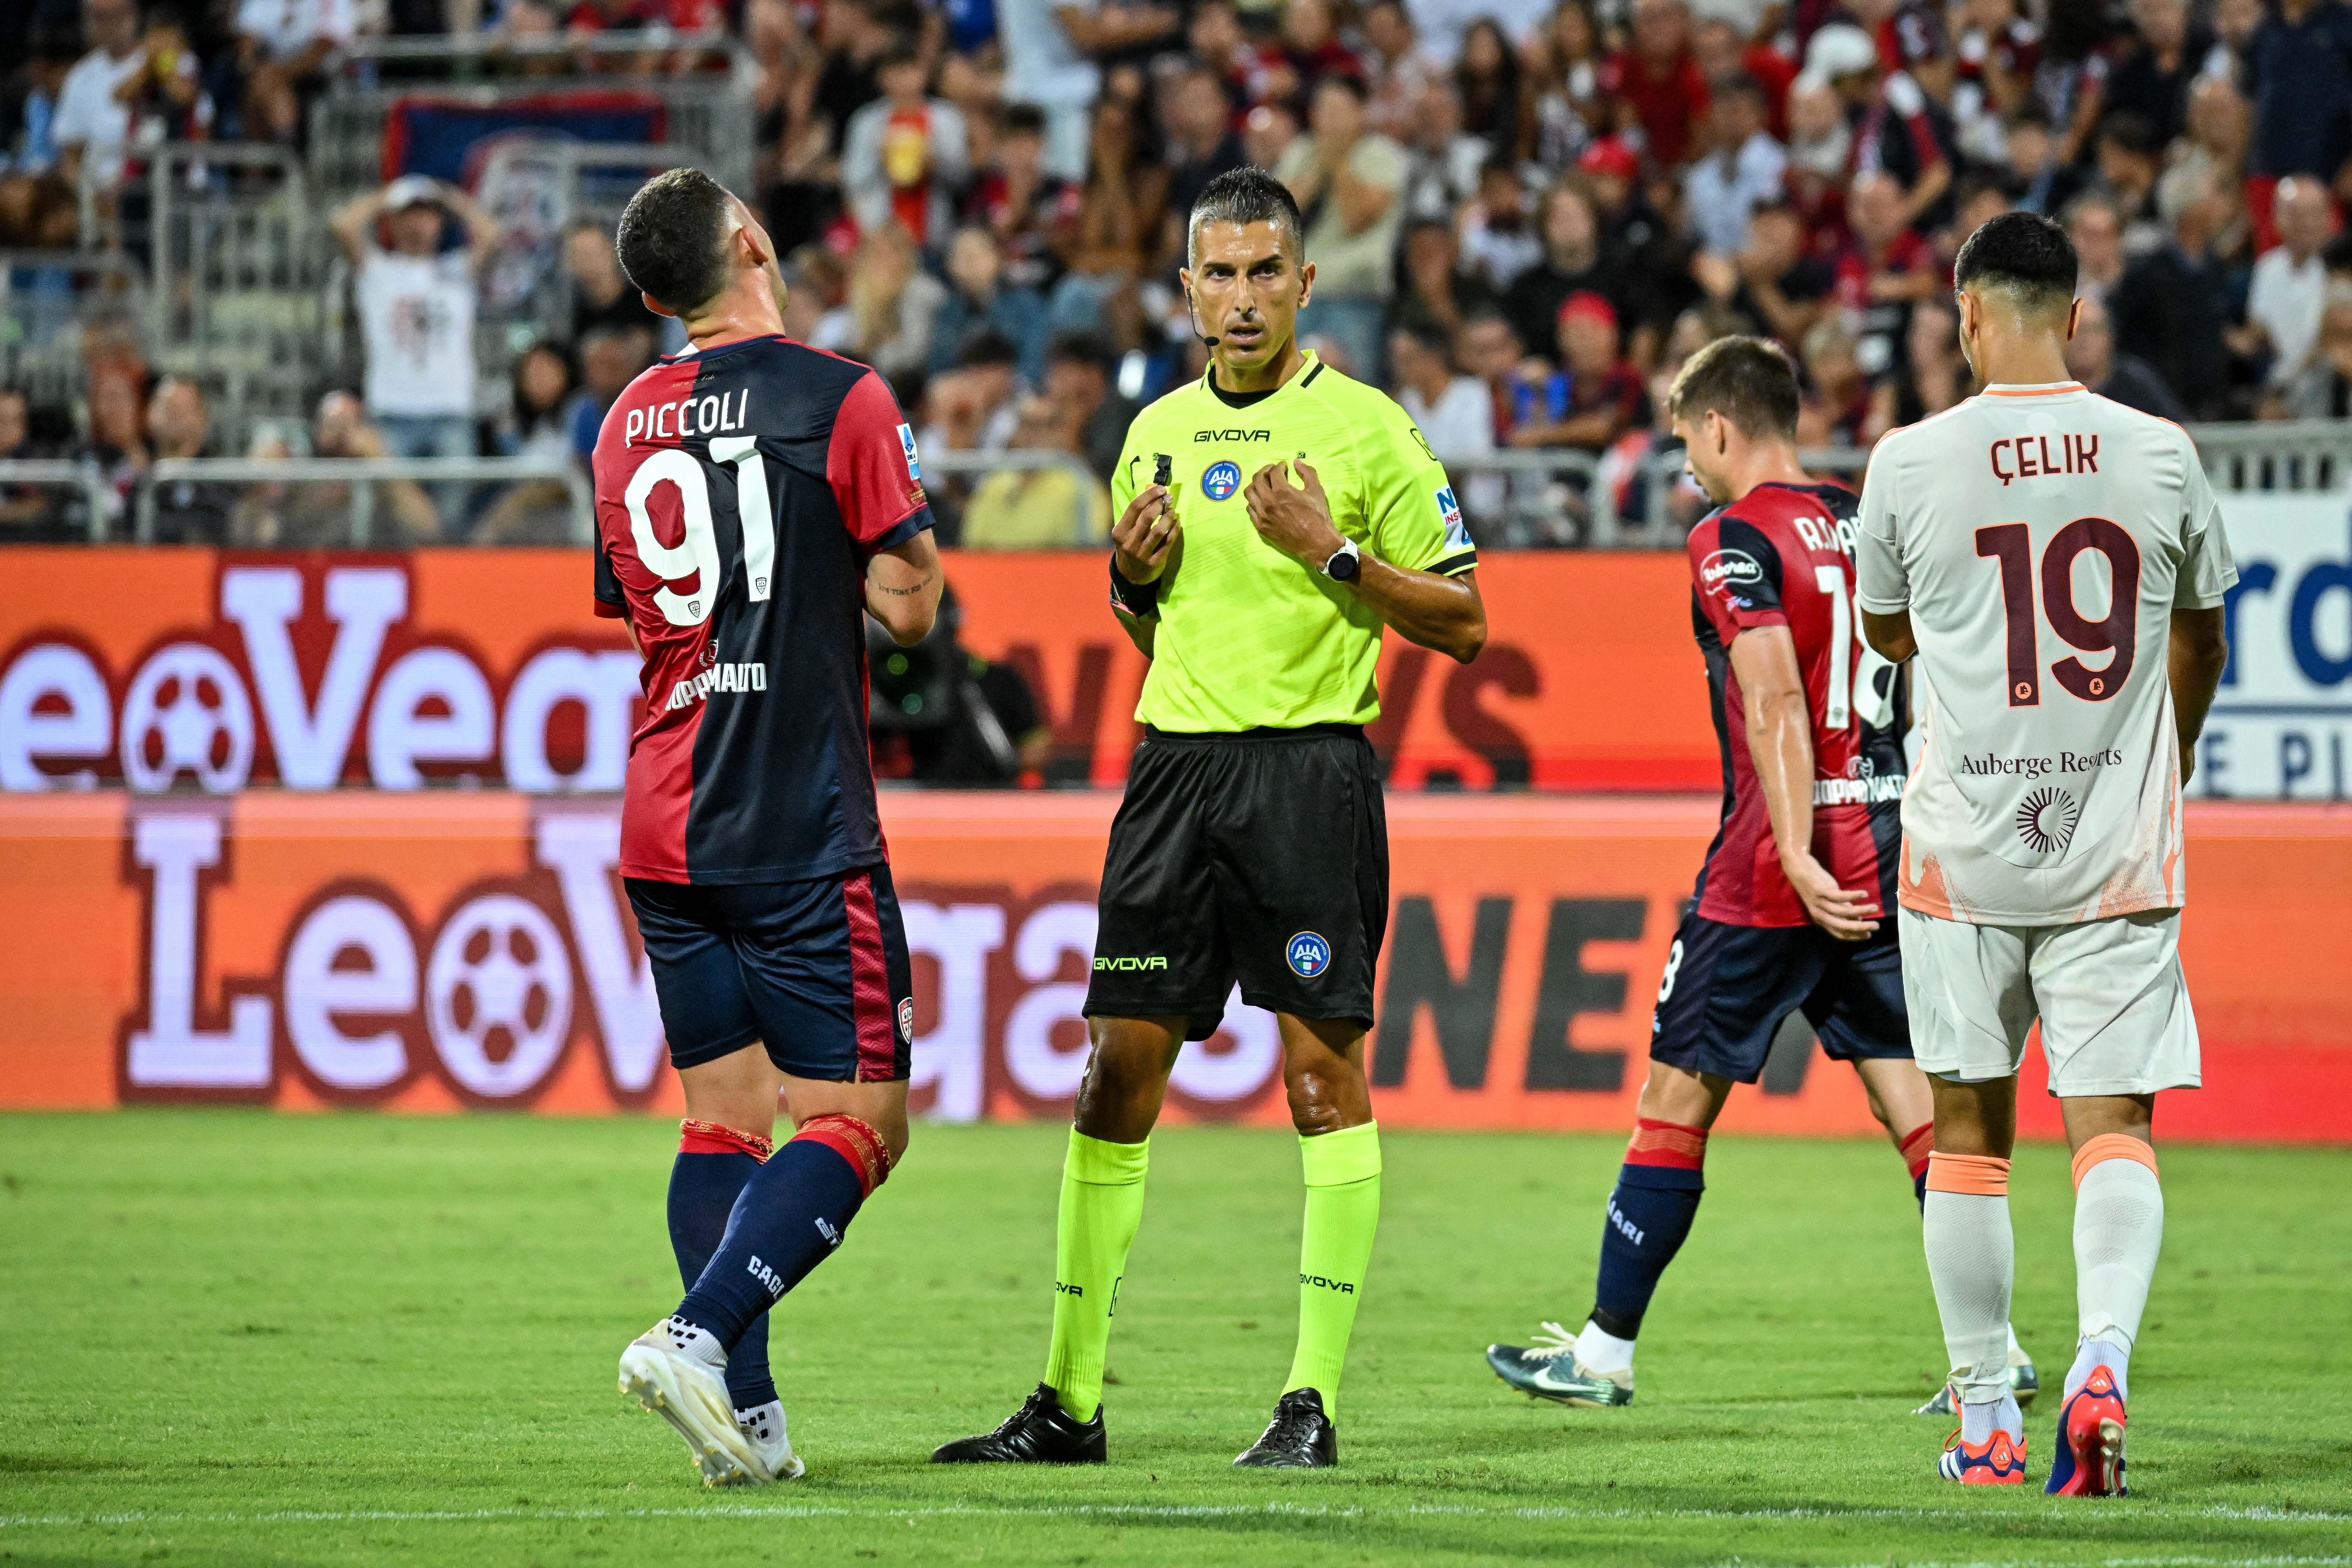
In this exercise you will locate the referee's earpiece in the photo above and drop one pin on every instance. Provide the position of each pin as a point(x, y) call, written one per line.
point(1192, 315)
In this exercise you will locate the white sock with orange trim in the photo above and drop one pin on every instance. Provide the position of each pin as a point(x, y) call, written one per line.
point(1972, 1259)
point(2118, 1228)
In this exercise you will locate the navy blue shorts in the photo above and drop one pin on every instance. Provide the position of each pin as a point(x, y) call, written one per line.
point(1727, 988)
point(817, 971)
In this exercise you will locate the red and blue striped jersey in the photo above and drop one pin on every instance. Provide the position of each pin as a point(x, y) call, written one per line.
point(1783, 556)
point(741, 492)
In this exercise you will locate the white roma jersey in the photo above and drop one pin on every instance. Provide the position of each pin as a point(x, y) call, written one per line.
point(2040, 538)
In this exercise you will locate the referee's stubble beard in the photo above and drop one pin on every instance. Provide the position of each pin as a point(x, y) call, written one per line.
point(1246, 284)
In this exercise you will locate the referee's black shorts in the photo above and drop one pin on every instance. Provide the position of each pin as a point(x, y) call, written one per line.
point(1260, 856)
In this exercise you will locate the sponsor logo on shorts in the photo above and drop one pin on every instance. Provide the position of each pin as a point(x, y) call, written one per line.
point(1221, 480)
point(1128, 965)
point(1728, 569)
point(906, 1020)
point(1309, 954)
point(2045, 820)
point(906, 445)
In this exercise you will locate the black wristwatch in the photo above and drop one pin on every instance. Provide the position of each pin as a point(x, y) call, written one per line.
point(1345, 564)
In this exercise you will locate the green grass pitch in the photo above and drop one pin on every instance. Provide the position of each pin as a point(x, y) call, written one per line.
point(238, 1338)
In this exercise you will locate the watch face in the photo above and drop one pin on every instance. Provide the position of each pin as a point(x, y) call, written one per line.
point(1345, 565)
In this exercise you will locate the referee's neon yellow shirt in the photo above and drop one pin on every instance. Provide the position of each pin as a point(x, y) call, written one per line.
point(1248, 638)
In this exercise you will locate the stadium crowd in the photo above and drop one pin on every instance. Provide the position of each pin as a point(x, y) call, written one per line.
point(1523, 215)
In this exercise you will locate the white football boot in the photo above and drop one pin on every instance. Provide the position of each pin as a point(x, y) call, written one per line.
point(680, 1373)
point(765, 1429)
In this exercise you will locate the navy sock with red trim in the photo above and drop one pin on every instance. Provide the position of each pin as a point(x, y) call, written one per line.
point(1917, 1145)
point(712, 1166)
point(1650, 1213)
point(793, 1213)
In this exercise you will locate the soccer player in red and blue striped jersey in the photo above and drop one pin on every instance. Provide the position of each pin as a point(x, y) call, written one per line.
point(756, 500)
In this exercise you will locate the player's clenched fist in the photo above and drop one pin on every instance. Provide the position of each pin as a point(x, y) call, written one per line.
point(1144, 534)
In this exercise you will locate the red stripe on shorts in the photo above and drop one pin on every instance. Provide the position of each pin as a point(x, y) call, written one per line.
point(869, 983)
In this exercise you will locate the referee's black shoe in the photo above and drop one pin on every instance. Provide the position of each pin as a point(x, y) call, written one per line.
point(1040, 1433)
point(1299, 1438)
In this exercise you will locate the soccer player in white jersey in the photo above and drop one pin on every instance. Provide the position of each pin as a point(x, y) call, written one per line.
point(2057, 562)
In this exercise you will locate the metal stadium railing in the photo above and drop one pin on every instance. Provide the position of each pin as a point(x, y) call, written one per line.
point(1515, 499)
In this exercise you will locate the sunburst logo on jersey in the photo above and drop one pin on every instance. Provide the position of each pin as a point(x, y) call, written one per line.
point(2045, 820)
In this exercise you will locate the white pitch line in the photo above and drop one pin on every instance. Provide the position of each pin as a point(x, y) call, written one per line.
point(2141, 1510)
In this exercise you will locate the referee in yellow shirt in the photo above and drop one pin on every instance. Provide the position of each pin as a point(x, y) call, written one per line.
point(1274, 517)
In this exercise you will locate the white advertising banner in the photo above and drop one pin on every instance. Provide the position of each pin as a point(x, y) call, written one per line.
point(2281, 727)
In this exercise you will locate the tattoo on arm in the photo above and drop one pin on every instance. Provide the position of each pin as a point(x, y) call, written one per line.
point(885, 587)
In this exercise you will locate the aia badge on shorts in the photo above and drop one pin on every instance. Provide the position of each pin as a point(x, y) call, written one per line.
point(906, 1020)
point(1221, 480)
point(1308, 955)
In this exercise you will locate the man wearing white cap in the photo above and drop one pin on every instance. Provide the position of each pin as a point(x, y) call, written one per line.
point(416, 312)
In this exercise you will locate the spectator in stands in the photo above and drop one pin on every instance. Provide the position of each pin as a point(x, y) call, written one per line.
point(816, 310)
point(1741, 171)
point(2045, 184)
point(1594, 396)
point(1031, 211)
point(1059, 507)
point(854, 36)
point(2128, 158)
point(1569, 110)
point(893, 300)
point(1454, 413)
point(1932, 377)
point(315, 514)
point(1398, 71)
point(2299, 73)
point(2213, 155)
point(1053, 51)
point(538, 424)
point(1725, 51)
point(1349, 180)
point(114, 436)
point(1498, 241)
point(282, 47)
point(1775, 286)
point(1196, 123)
point(2323, 388)
point(907, 155)
point(2289, 287)
point(1572, 264)
point(1311, 47)
point(1433, 290)
point(1118, 231)
point(2096, 225)
point(1882, 269)
point(1486, 75)
point(1445, 160)
point(609, 358)
point(979, 301)
point(37, 206)
point(179, 425)
point(970, 407)
point(29, 514)
point(1836, 406)
point(1908, 131)
point(416, 312)
point(601, 294)
point(2168, 309)
point(2152, 78)
point(95, 115)
point(1078, 369)
point(2092, 359)
point(1656, 82)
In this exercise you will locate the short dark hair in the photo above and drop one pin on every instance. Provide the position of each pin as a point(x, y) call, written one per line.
point(984, 346)
point(2132, 133)
point(1748, 381)
point(2023, 253)
point(671, 239)
point(1082, 345)
point(1245, 195)
point(1430, 334)
point(1021, 120)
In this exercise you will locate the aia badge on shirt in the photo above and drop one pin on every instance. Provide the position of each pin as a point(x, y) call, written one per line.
point(1449, 512)
point(906, 445)
point(1221, 480)
point(1731, 573)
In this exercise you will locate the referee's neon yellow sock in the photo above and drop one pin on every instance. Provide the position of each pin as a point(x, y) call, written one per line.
point(1343, 1210)
point(1102, 1203)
